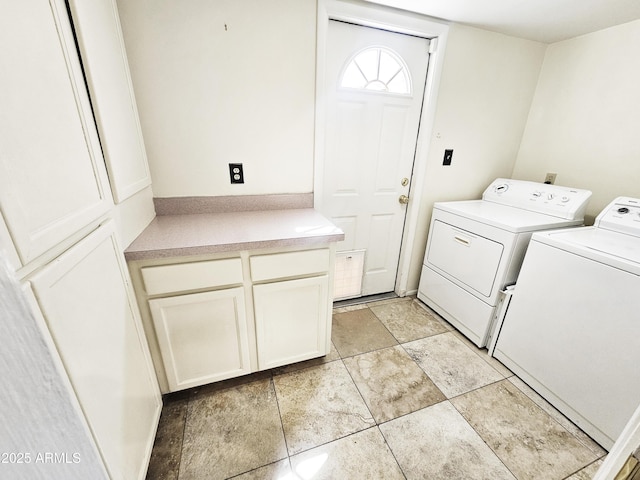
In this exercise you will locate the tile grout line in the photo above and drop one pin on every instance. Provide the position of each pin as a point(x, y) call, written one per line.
point(377, 424)
point(539, 408)
point(477, 432)
point(536, 402)
point(390, 449)
point(582, 468)
point(284, 435)
point(184, 430)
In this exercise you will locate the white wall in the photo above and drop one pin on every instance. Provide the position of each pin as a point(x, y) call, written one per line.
point(488, 81)
point(584, 122)
point(221, 82)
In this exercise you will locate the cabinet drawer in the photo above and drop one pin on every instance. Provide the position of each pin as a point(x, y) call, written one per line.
point(192, 276)
point(291, 264)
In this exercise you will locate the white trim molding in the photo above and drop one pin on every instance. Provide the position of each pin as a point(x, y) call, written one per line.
point(371, 15)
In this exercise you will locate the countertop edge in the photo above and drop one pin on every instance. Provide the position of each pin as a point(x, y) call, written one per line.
point(231, 247)
point(213, 249)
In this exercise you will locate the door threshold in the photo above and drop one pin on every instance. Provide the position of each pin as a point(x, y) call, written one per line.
point(366, 299)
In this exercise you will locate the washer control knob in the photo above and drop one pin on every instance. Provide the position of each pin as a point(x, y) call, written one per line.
point(550, 196)
point(537, 194)
point(503, 187)
point(564, 199)
point(623, 210)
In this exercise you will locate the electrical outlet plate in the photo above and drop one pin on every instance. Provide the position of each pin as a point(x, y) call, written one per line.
point(550, 178)
point(236, 173)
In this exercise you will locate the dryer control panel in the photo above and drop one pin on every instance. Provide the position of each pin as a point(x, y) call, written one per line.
point(621, 215)
point(554, 200)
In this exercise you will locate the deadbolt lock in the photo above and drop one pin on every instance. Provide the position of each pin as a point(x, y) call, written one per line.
point(405, 182)
point(403, 199)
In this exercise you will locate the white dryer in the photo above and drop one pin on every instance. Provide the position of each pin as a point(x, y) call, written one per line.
point(475, 248)
point(572, 330)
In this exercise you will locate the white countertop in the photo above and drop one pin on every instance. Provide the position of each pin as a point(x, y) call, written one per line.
point(204, 233)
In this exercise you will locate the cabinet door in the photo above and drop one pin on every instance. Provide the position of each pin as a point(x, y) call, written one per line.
point(105, 62)
point(87, 302)
point(52, 175)
point(291, 320)
point(202, 336)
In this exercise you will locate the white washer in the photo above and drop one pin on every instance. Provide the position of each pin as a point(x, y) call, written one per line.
point(475, 248)
point(572, 331)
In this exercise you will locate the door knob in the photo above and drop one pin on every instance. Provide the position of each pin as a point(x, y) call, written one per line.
point(403, 199)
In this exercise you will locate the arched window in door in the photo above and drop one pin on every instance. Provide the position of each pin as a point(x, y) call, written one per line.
point(377, 69)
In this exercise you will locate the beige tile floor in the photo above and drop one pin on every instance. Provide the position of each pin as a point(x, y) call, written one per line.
point(402, 395)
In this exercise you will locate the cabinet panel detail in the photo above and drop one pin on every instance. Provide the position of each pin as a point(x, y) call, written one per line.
point(290, 264)
point(192, 276)
point(291, 320)
point(202, 337)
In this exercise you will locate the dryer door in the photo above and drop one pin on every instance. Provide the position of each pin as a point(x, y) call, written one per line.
point(464, 257)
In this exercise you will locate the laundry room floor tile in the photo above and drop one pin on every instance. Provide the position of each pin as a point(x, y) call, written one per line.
point(280, 470)
point(436, 442)
point(359, 331)
point(391, 383)
point(232, 431)
point(364, 454)
point(294, 367)
point(557, 416)
point(167, 450)
point(408, 320)
point(452, 366)
point(528, 441)
point(319, 405)
point(349, 308)
point(484, 355)
point(588, 472)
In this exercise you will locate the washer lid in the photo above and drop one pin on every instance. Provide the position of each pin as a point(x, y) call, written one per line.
point(614, 248)
point(511, 219)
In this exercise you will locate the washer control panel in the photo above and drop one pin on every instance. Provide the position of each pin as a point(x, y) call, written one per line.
point(621, 215)
point(554, 200)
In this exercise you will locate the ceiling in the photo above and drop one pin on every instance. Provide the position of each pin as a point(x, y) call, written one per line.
point(546, 21)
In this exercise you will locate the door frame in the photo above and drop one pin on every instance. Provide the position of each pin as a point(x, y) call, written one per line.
point(377, 16)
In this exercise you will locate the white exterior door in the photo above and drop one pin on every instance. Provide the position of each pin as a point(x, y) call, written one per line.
point(374, 87)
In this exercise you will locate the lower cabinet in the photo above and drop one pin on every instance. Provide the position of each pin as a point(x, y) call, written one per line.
point(209, 319)
point(291, 320)
point(202, 336)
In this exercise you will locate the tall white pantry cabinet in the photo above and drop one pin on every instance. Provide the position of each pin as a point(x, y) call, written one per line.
point(57, 229)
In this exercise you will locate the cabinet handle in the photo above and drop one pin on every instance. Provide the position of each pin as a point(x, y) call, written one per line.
point(461, 240)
